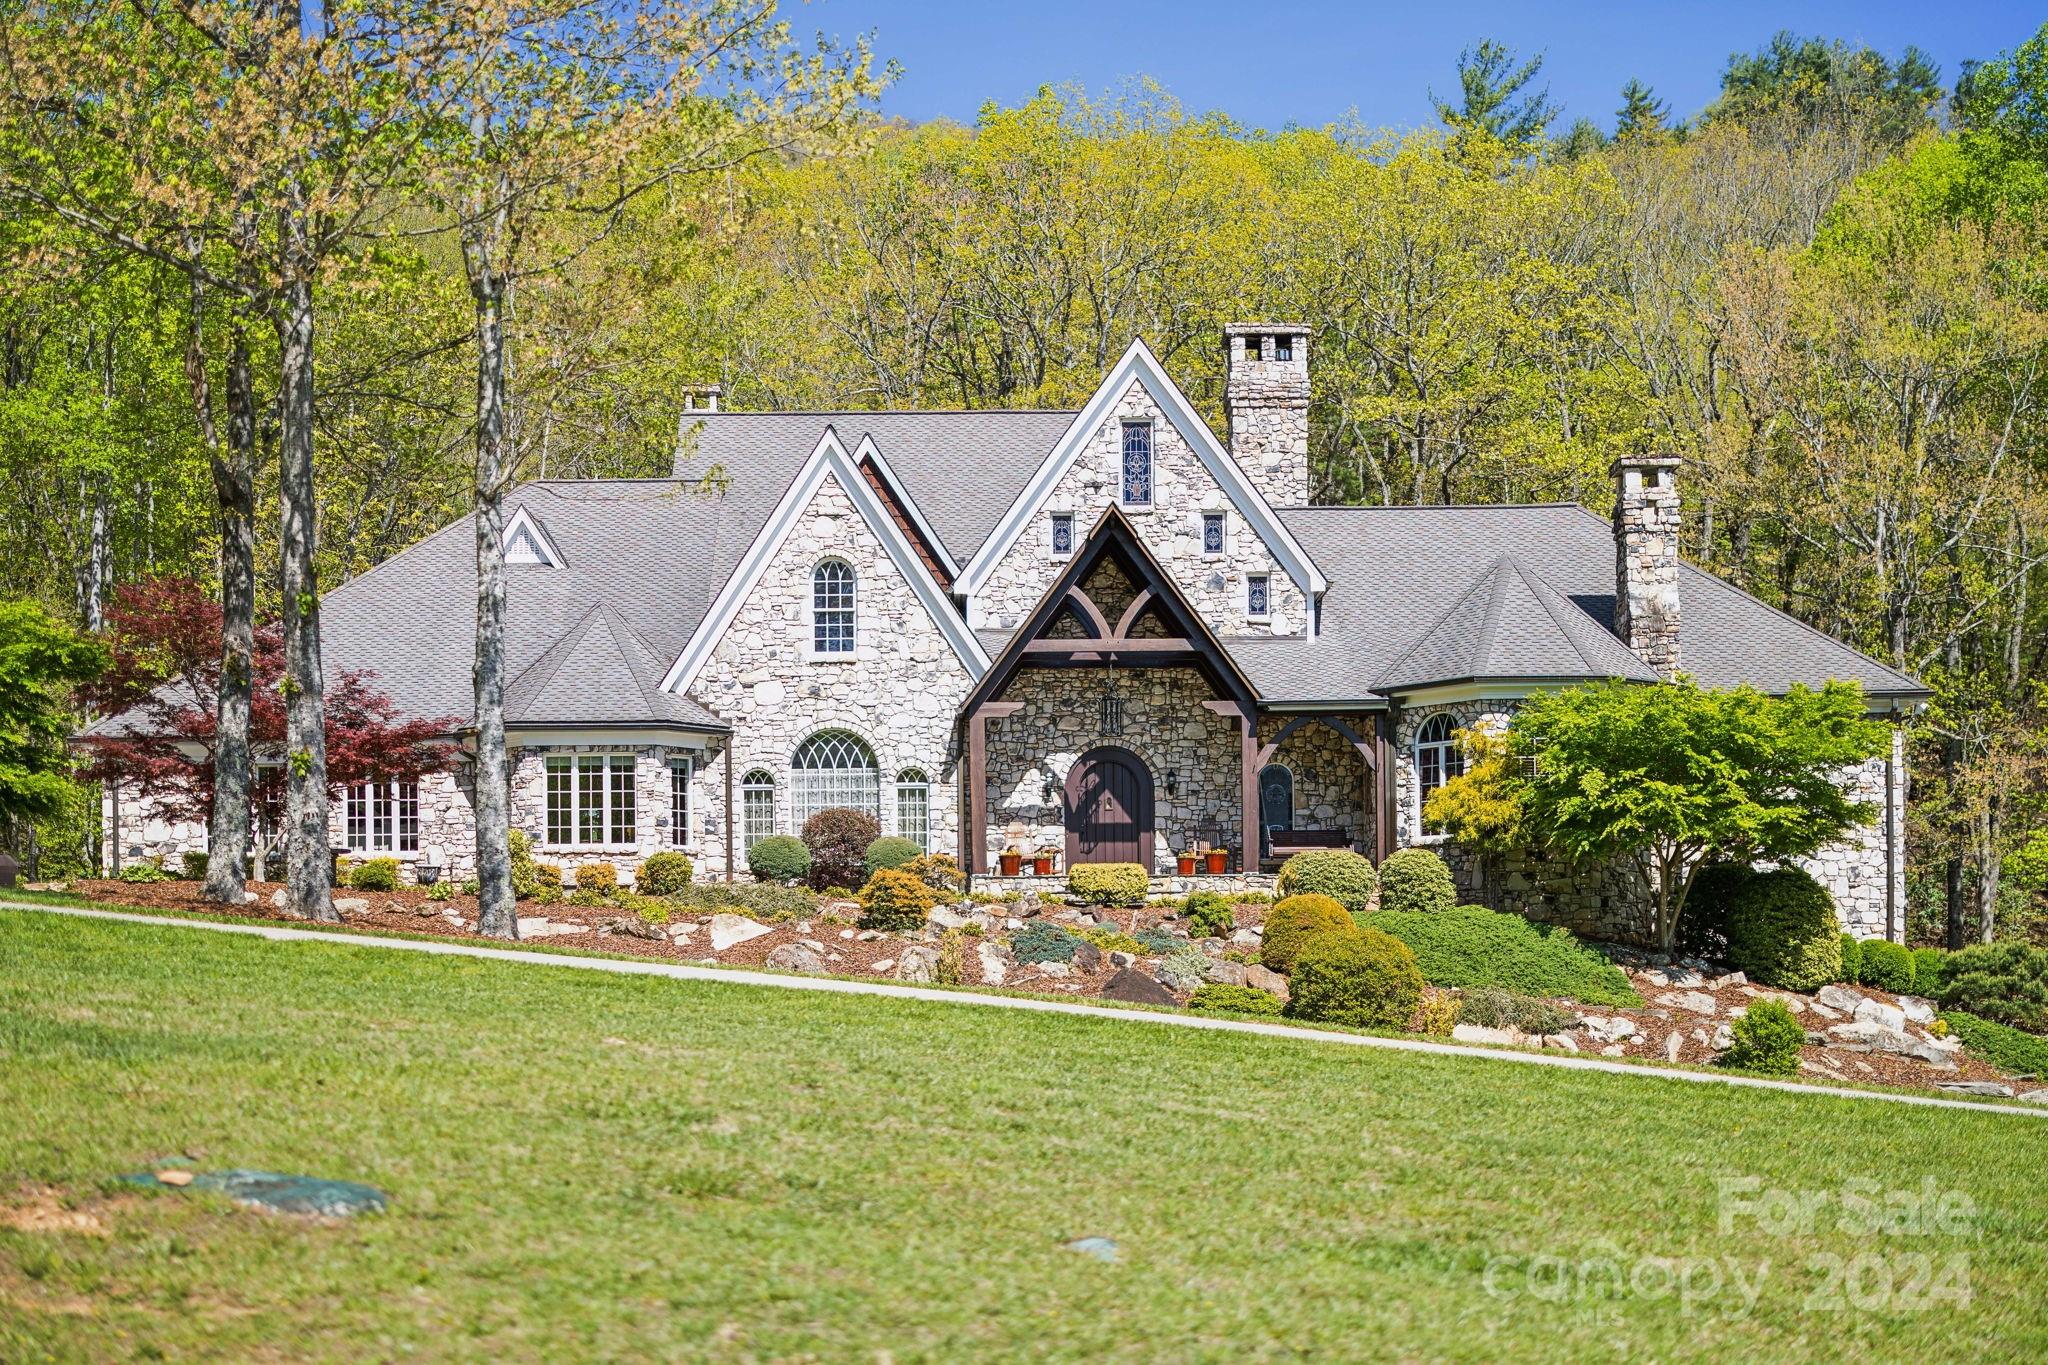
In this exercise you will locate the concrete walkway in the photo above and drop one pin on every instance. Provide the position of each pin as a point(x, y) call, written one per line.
point(734, 976)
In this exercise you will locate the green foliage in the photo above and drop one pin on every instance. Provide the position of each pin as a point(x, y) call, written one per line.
point(546, 879)
point(1767, 1040)
point(143, 872)
point(1416, 879)
point(1296, 920)
point(441, 891)
point(1930, 970)
point(1493, 1007)
point(1783, 932)
point(589, 898)
point(375, 874)
point(838, 838)
point(939, 872)
point(2004, 1047)
point(1481, 807)
point(1365, 978)
point(193, 864)
point(894, 899)
point(470, 886)
point(1674, 775)
point(1209, 915)
point(1157, 939)
point(602, 878)
point(1039, 941)
point(1338, 873)
point(1703, 926)
point(1851, 969)
point(1439, 1013)
point(525, 882)
point(664, 873)
point(1185, 968)
point(769, 902)
point(653, 909)
point(1112, 940)
point(1216, 998)
point(1470, 946)
point(779, 858)
point(41, 659)
point(890, 851)
point(1494, 97)
point(2006, 983)
point(1109, 883)
point(1887, 966)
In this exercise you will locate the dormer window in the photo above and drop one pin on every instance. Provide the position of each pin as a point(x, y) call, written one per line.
point(1062, 534)
point(1212, 533)
point(1137, 464)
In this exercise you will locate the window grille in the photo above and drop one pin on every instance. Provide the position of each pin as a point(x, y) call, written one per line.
point(757, 808)
point(1212, 533)
point(1258, 591)
point(832, 608)
point(679, 773)
point(833, 768)
point(1137, 482)
point(382, 817)
point(914, 807)
point(1063, 533)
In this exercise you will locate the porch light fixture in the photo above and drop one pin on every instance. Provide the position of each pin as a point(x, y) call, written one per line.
point(1112, 705)
point(1172, 782)
point(1046, 794)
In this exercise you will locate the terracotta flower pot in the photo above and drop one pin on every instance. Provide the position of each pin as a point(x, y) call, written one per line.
point(1012, 863)
point(1187, 864)
point(1042, 864)
point(1217, 859)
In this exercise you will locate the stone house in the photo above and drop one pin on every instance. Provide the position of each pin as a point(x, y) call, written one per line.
point(1107, 634)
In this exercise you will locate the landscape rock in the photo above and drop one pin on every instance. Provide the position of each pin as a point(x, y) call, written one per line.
point(1247, 938)
point(1837, 997)
point(845, 934)
point(1056, 969)
point(729, 930)
point(1028, 906)
point(943, 919)
point(1087, 958)
point(1613, 1050)
point(1134, 986)
point(2033, 1096)
point(1119, 958)
point(1916, 1010)
point(1656, 978)
point(1674, 1043)
point(1473, 1033)
point(1730, 979)
point(1607, 1029)
point(1699, 1002)
point(535, 926)
point(882, 966)
point(994, 966)
point(1990, 1088)
point(250, 898)
point(1265, 979)
point(1877, 1012)
point(1564, 1042)
point(1724, 1038)
point(812, 944)
point(1686, 980)
point(796, 957)
point(918, 963)
point(627, 926)
point(1823, 1011)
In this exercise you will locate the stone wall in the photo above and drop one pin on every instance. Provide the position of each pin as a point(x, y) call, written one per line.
point(1267, 402)
point(1329, 775)
point(1646, 523)
point(1171, 529)
point(899, 691)
point(1165, 724)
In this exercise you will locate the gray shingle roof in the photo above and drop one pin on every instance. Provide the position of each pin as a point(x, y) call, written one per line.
point(1512, 624)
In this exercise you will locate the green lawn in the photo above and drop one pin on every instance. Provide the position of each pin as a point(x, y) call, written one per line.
point(589, 1166)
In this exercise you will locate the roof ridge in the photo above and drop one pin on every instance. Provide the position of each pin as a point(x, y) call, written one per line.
point(1426, 506)
point(1428, 633)
point(553, 656)
point(1543, 591)
point(617, 622)
point(884, 412)
point(1489, 624)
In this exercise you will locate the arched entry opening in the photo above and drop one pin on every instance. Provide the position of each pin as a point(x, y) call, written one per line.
point(1109, 809)
point(1276, 802)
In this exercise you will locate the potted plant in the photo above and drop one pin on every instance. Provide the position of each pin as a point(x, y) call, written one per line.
point(1186, 862)
point(1041, 862)
point(1217, 858)
point(1011, 860)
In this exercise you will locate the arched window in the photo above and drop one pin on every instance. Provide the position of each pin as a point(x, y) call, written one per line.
point(914, 807)
point(757, 808)
point(832, 607)
point(833, 768)
point(1437, 758)
point(1276, 796)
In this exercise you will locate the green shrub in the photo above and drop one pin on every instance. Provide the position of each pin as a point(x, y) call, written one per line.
point(143, 873)
point(1216, 998)
point(1363, 978)
point(375, 874)
point(653, 909)
point(1470, 946)
point(779, 858)
point(441, 891)
point(1157, 939)
point(1185, 968)
point(589, 897)
point(1492, 1007)
point(1767, 1040)
point(1439, 1013)
point(894, 899)
point(838, 838)
point(1930, 965)
point(1115, 940)
point(470, 886)
point(1109, 883)
point(664, 873)
point(547, 883)
point(1345, 877)
point(1783, 931)
point(2006, 983)
point(890, 851)
point(194, 864)
point(1041, 942)
point(602, 878)
point(2008, 1049)
point(1296, 920)
point(1209, 915)
point(1852, 959)
point(938, 871)
point(770, 902)
point(1703, 926)
point(1887, 966)
point(1416, 879)
point(525, 874)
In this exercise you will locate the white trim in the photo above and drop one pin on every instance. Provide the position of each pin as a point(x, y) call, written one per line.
point(1267, 614)
point(811, 653)
point(1139, 364)
point(523, 520)
point(829, 457)
point(1151, 501)
point(1202, 516)
point(652, 737)
point(607, 807)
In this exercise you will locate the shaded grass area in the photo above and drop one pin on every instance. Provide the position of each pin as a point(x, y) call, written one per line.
point(589, 1166)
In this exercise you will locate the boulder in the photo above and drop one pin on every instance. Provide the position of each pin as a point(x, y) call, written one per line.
point(1728, 979)
point(1119, 958)
point(1699, 1002)
point(1563, 1042)
point(995, 965)
point(1674, 1043)
point(869, 935)
point(1724, 1038)
point(1988, 1088)
point(1265, 979)
point(1605, 1029)
point(2033, 1097)
point(918, 963)
point(1916, 1010)
point(796, 957)
point(628, 926)
point(1087, 958)
point(1838, 998)
point(1473, 1033)
point(535, 926)
point(730, 930)
point(943, 919)
point(1135, 987)
point(1055, 969)
point(1028, 905)
point(1247, 938)
point(812, 944)
point(882, 965)
point(1225, 973)
point(1877, 1012)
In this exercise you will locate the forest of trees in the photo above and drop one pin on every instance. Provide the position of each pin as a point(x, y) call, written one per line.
point(1827, 291)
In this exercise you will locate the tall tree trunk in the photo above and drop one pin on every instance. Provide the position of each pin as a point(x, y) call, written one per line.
point(1990, 867)
point(497, 915)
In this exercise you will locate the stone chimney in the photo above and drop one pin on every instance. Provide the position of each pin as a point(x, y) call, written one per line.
point(1266, 396)
point(1646, 614)
point(702, 397)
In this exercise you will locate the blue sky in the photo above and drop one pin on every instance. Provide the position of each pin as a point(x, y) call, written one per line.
point(1271, 62)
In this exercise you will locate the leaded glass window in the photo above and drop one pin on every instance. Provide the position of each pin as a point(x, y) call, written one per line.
point(1137, 483)
point(1258, 594)
point(757, 808)
point(914, 807)
point(1063, 533)
point(1212, 533)
point(833, 768)
point(832, 607)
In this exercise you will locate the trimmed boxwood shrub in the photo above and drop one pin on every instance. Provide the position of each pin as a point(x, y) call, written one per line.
point(890, 851)
point(1703, 926)
point(1218, 998)
point(1783, 931)
point(1930, 966)
point(894, 899)
point(1209, 915)
point(664, 873)
point(838, 838)
point(1109, 883)
point(1416, 879)
point(2006, 983)
point(547, 883)
point(1365, 978)
point(779, 858)
point(1470, 946)
point(2008, 1049)
point(375, 874)
point(1041, 942)
point(1343, 876)
point(1887, 966)
point(1296, 920)
point(1852, 960)
point(1767, 1040)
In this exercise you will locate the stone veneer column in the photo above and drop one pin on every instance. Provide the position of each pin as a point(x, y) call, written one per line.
point(1646, 606)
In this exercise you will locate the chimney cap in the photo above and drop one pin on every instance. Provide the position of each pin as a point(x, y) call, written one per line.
point(1643, 462)
point(1238, 329)
point(702, 397)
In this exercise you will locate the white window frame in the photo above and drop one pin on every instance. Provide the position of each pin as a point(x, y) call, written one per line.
point(1435, 744)
point(613, 833)
point(1052, 538)
point(908, 781)
point(1123, 427)
point(1202, 533)
point(1267, 613)
point(376, 816)
point(811, 789)
point(682, 771)
point(852, 610)
point(758, 783)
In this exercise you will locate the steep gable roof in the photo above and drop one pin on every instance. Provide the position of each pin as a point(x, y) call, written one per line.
point(1512, 624)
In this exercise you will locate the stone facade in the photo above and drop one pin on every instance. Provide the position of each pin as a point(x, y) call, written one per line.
point(1266, 398)
point(1646, 520)
point(1171, 528)
point(1329, 776)
point(898, 691)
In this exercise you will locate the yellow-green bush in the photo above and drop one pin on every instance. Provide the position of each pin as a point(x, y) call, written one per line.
point(602, 878)
point(664, 873)
point(1294, 921)
point(1365, 978)
point(1340, 874)
point(894, 899)
point(1109, 883)
point(375, 874)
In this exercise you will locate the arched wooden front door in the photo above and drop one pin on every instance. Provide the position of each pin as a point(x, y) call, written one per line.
point(1109, 809)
